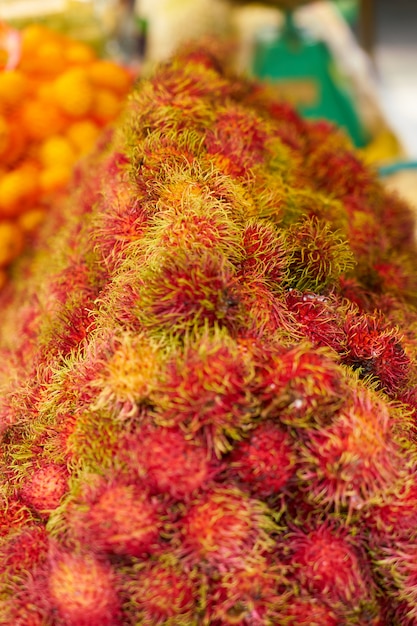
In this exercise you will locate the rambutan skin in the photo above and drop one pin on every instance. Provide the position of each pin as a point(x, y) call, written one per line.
point(83, 590)
point(116, 518)
point(224, 527)
point(265, 461)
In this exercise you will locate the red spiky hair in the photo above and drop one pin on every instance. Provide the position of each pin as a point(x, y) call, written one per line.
point(375, 347)
point(225, 528)
point(44, 488)
point(300, 385)
point(161, 591)
point(320, 317)
point(356, 458)
point(307, 611)
point(330, 564)
point(250, 596)
point(205, 390)
point(187, 290)
point(265, 461)
point(168, 460)
point(318, 256)
point(82, 590)
point(115, 517)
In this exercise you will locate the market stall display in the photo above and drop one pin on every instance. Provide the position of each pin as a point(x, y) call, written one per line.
point(209, 392)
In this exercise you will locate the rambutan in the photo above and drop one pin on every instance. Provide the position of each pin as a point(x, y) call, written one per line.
point(187, 290)
point(374, 347)
point(331, 565)
point(252, 596)
point(224, 527)
point(318, 255)
point(45, 487)
point(300, 385)
point(206, 389)
point(264, 250)
point(356, 458)
point(115, 518)
point(168, 460)
point(307, 611)
point(82, 590)
point(265, 461)
point(162, 592)
point(320, 318)
point(23, 551)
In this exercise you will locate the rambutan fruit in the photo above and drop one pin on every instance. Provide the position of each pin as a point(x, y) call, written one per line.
point(14, 514)
point(266, 312)
point(224, 527)
point(300, 386)
point(82, 590)
point(162, 592)
point(130, 373)
point(318, 255)
point(45, 487)
point(205, 389)
point(168, 460)
point(21, 553)
point(394, 518)
point(265, 461)
point(264, 250)
point(375, 347)
point(356, 458)
point(193, 220)
point(253, 596)
point(331, 565)
point(320, 318)
point(115, 518)
point(187, 290)
point(307, 611)
point(239, 137)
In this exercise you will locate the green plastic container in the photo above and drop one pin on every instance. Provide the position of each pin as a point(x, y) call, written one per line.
point(303, 71)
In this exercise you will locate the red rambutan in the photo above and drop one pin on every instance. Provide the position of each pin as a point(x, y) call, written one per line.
point(45, 487)
point(375, 347)
point(320, 318)
point(318, 255)
point(265, 461)
point(300, 386)
point(307, 611)
point(162, 592)
point(225, 528)
point(82, 590)
point(330, 564)
point(20, 554)
point(252, 596)
point(169, 461)
point(187, 290)
point(264, 253)
point(205, 389)
point(355, 459)
point(116, 518)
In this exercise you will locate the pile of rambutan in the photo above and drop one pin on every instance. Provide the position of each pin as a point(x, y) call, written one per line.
point(209, 381)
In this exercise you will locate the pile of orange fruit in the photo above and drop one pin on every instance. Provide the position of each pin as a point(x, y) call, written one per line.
point(56, 95)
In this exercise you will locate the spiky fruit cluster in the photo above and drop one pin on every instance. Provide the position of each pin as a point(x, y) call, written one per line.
point(209, 382)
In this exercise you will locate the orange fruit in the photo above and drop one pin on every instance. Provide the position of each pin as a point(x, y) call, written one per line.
point(11, 241)
point(31, 219)
point(18, 187)
point(13, 87)
point(73, 92)
point(105, 73)
point(42, 119)
point(107, 105)
point(55, 178)
point(83, 135)
point(57, 150)
point(78, 53)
